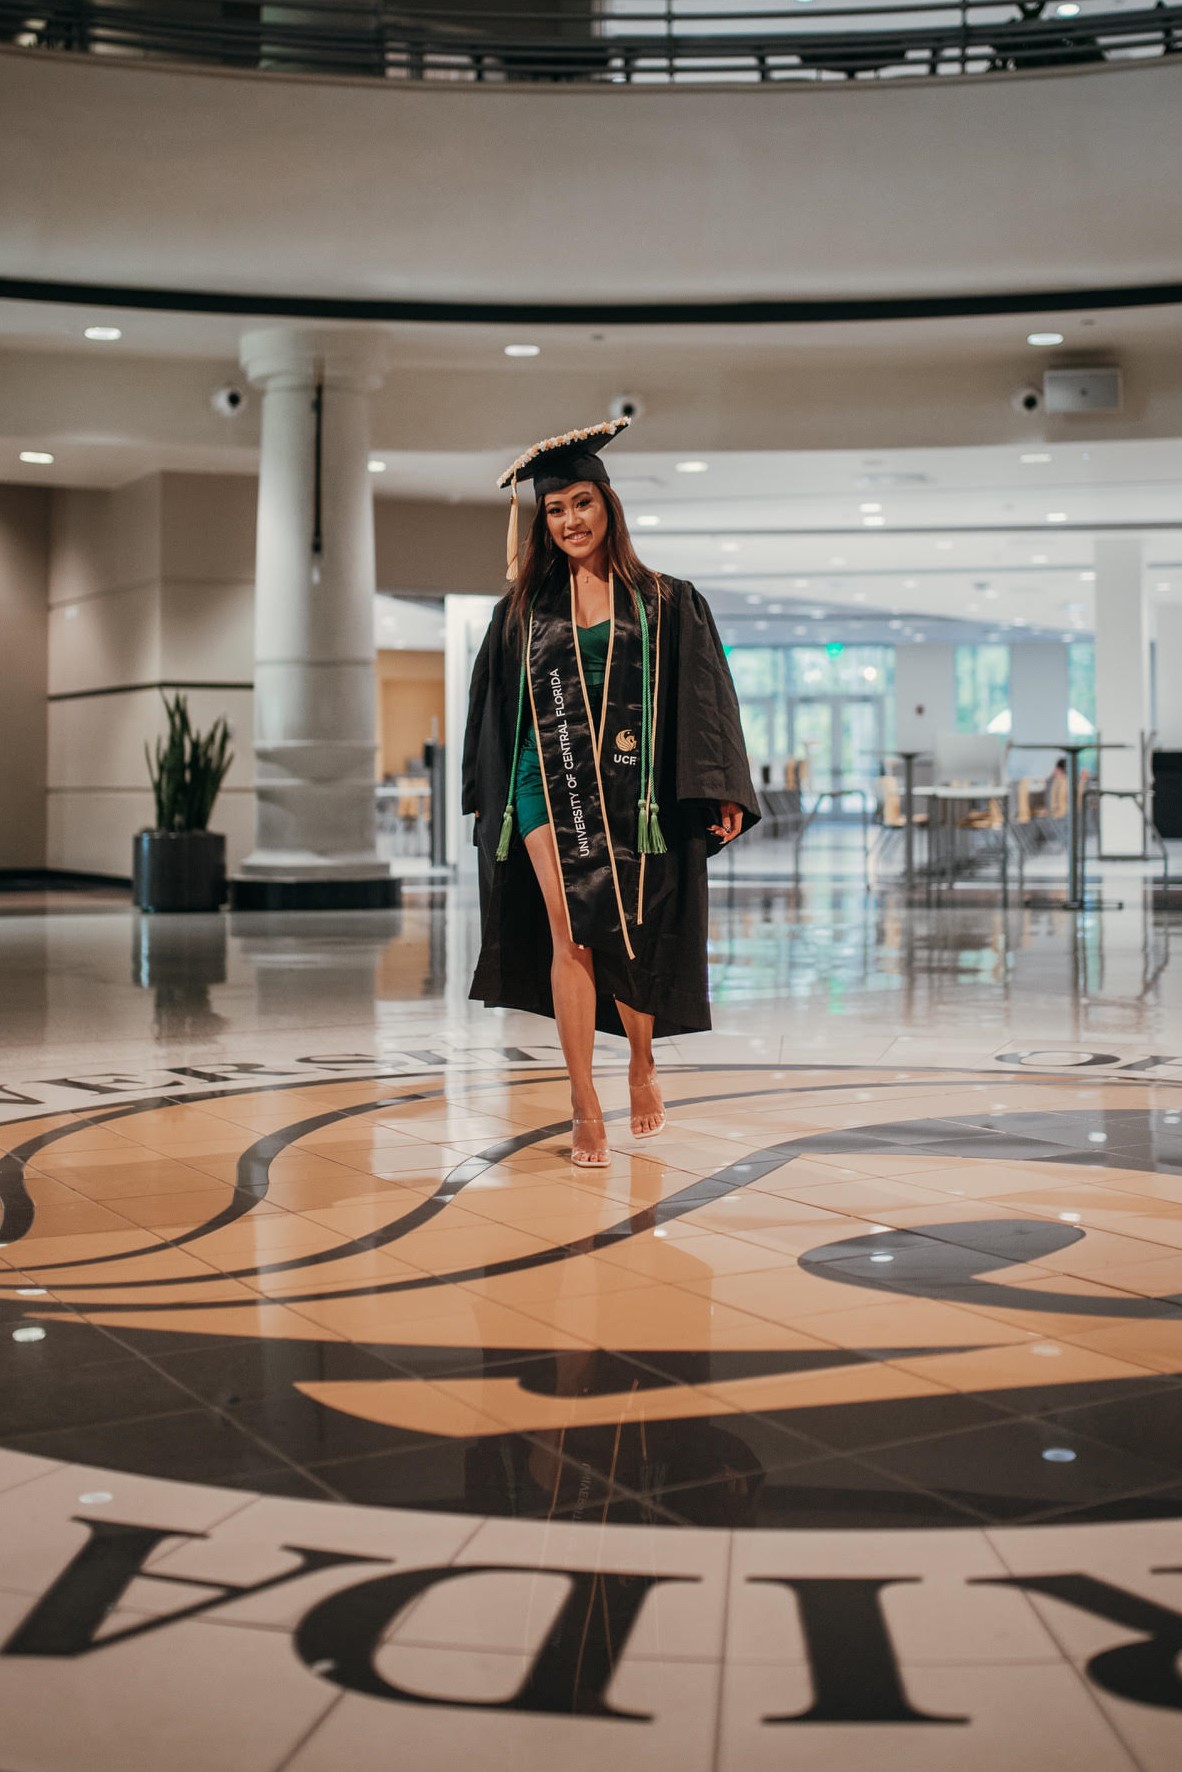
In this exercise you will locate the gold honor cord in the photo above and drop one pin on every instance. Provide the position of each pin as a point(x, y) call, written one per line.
point(607, 829)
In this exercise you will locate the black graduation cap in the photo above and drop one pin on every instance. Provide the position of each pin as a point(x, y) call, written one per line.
point(557, 462)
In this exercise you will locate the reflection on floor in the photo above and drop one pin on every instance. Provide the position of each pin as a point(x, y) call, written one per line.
point(842, 1424)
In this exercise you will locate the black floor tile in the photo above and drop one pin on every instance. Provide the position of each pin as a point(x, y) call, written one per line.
point(1146, 1422)
point(198, 1446)
point(88, 1396)
point(828, 1494)
point(1017, 1470)
point(229, 1376)
point(857, 1427)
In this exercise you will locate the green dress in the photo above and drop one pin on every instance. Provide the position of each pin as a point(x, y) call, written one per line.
point(529, 796)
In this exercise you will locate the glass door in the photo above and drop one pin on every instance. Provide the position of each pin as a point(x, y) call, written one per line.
point(811, 736)
point(859, 741)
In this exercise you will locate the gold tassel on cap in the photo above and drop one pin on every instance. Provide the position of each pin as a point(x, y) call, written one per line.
point(511, 544)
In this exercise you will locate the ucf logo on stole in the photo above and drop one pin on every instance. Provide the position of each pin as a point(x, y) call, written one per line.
point(625, 751)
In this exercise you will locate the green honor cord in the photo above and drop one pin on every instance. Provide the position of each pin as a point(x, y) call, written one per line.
point(506, 836)
point(649, 838)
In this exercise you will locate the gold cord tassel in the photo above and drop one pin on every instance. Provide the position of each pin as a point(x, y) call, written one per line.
point(511, 544)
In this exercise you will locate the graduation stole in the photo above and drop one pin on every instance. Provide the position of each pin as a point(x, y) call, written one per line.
point(597, 773)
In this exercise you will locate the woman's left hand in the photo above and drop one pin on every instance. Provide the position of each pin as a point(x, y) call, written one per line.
point(730, 821)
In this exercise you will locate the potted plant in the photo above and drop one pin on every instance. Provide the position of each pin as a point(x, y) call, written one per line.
point(181, 865)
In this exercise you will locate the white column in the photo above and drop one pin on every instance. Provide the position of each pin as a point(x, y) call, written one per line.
point(466, 620)
point(1038, 703)
point(925, 695)
point(1168, 676)
point(314, 620)
point(1122, 684)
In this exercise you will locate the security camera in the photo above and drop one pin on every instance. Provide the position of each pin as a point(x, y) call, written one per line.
point(626, 406)
point(1027, 400)
point(229, 400)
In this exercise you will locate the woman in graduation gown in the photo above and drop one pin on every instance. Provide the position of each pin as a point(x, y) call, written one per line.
point(604, 761)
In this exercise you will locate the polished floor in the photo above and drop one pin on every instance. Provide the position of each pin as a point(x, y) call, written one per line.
point(342, 1422)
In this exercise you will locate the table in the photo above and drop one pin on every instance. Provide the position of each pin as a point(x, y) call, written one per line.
point(948, 793)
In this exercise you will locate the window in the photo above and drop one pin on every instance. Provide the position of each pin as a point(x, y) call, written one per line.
point(982, 688)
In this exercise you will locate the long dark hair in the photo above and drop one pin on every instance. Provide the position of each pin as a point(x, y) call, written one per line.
point(542, 555)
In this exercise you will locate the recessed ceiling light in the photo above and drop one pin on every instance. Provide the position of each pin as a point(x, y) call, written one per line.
point(973, 608)
point(1039, 559)
point(1087, 578)
point(105, 334)
point(730, 547)
point(523, 350)
point(646, 522)
point(800, 630)
point(1056, 516)
point(38, 457)
point(376, 466)
point(837, 560)
point(894, 624)
point(817, 614)
point(1044, 338)
point(859, 596)
point(1036, 456)
point(1163, 586)
point(993, 593)
point(730, 567)
point(909, 584)
point(760, 626)
point(693, 467)
point(873, 522)
point(801, 584)
point(944, 545)
point(775, 609)
point(919, 639)
point(869, 510)
point(1068, 9)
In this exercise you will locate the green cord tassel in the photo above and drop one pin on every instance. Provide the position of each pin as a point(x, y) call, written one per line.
point(506, 836)
point(650, 838)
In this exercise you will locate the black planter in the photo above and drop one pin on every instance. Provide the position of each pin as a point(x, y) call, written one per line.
point(178, 870)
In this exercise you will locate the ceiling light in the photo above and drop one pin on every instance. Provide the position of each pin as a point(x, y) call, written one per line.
point(817, 614)
point(730, 547)
point(754, 597)
point(775, 609)
point(105, 334)
point(802, 584)
point(1087, 578)
point(869, 510)
point(837, 560)
point(859, 596)
point(1044, 338)
point(730, 567)
point(647, 522)
point(523, 350)
point(1163, 586)
point(1056, 516)
point(760, 626)
point(1039, 559)
point(973, 608)
point(693, 467)
point(944, 544)
point(870, 673)
point(1068, 9)
point(873, 522)
point(376, 466)
point(993, 593)
point(894, 624)
point(909, 584)
point(1036, 456)
point(800, 630)
point(919, 639)
point(38, 457)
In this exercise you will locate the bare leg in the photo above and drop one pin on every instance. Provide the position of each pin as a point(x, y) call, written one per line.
point(648, 1109)
point(572, 980)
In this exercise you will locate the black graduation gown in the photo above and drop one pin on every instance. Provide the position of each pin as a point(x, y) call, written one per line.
point(700, 760)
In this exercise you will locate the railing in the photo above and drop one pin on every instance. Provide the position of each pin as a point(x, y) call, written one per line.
point(495, 44)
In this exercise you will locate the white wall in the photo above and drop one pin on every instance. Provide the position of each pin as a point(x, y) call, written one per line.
point(150, 586)
point(925, 695)
point(1042, 181)
point(24, 559)
point(1038, 703)
point(1168, 676)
